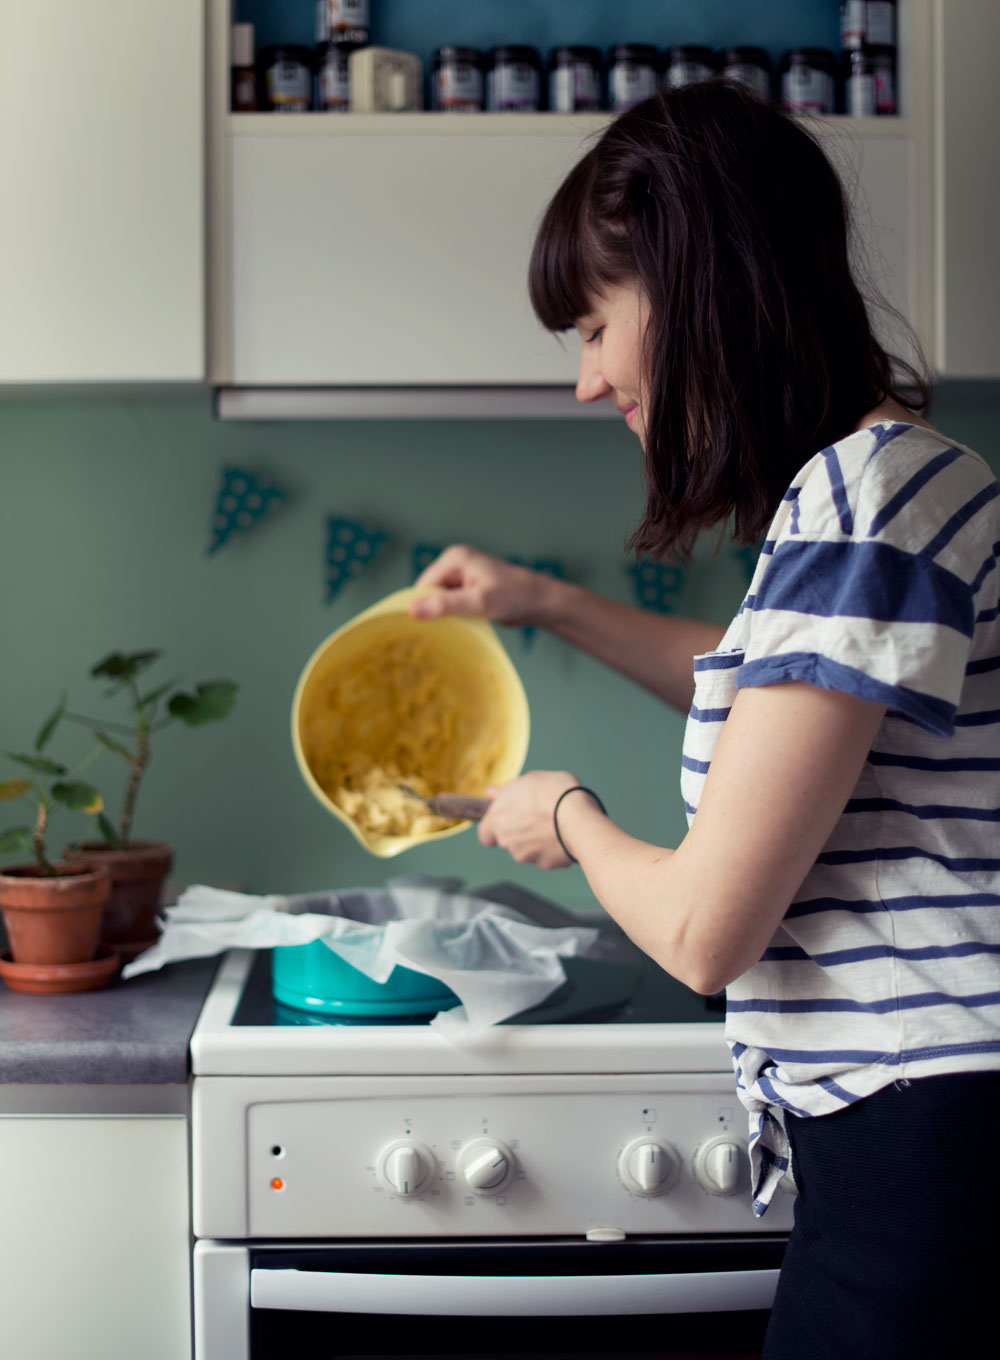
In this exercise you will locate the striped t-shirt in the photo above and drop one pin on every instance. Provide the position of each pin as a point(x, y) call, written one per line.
point(879, 578)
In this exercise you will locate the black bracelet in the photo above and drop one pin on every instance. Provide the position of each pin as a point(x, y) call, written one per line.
point(576, 788)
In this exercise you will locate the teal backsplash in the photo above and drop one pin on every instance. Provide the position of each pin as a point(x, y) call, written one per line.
point(104, 523)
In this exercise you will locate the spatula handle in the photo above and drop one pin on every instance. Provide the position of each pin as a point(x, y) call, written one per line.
point(458, 805)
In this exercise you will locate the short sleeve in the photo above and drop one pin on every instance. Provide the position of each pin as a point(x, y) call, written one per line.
point(864, 601)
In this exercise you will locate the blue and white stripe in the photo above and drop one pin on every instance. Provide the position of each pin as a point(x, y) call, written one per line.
point(879, 578)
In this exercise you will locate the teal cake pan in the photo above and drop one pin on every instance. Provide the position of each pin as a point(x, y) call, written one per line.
point(311, 977)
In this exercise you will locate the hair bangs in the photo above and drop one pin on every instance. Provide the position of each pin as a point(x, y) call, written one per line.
point(576, 254)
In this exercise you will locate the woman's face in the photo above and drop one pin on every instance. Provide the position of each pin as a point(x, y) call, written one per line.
point(610, 356)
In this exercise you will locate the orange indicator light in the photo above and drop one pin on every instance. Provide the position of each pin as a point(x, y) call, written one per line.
point(277, 1183)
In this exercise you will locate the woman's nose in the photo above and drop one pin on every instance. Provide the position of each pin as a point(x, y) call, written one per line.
point(590, 384)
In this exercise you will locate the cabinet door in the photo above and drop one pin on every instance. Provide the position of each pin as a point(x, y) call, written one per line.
point(968, 188)
point(102, 164)
point(95, 1238)
point(378, 251)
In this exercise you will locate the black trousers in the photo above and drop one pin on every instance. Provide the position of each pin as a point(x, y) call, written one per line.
point(895, 1253)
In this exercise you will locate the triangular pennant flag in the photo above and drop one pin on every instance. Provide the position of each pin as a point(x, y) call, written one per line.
point(243, 501)
point(351, 548)
point(656, 584)
point(422, 555)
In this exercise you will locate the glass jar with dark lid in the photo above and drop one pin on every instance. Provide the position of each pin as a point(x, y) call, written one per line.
point(633, 74)
point(513, 80)
point(687, 66)
point(575, 80)
point(747, 66)
point(286, 78)
point(808, 80)
point(870, 82)
point(457, 80)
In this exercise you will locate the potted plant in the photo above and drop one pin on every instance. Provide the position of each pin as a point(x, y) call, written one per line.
point(51, 909)
point(138, 868)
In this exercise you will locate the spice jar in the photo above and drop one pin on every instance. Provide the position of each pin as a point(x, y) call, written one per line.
point(513, 80)
point(870, 82)
point(867, 23)
point(574, 80)
point(808, 80)
point(333, 78)
point(747, 66)
point(243, 75)
point(633, 74)
point(287, 79)
point(342, 22)
point(457, 80)
point(687, 66)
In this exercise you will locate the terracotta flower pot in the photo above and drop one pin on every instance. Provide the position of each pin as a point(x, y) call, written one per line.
point(53, 920)
point(137, 876)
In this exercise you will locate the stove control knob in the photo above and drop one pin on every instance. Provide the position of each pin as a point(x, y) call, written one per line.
point(720, 1166)
point(486, 1166)
point(648, 1167)
point(405, 1167)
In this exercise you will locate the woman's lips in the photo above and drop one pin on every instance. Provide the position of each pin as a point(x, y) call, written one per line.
point(631, 412)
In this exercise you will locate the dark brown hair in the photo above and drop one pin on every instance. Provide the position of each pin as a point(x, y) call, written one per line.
point(758, 350)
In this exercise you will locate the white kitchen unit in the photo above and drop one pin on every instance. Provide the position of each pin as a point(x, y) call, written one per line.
point(390, 251)
point(102, 162)
point(94, 1237)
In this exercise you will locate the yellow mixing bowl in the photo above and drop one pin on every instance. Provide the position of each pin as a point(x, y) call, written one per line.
point(389, 699)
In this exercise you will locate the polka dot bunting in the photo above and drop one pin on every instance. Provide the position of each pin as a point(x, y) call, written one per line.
point(550, 566)
point(422, 555)
point(351, 548)
point(656, 584)
point(243, 501)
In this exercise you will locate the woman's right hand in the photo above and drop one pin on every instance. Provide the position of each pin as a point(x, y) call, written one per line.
point(472, 582)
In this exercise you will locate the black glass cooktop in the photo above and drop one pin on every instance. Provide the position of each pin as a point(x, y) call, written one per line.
point(630, 990)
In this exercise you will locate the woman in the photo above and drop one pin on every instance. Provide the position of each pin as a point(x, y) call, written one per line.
point(840, 873)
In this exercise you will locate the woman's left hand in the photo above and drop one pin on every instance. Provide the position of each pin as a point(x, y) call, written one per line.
point(519, 818)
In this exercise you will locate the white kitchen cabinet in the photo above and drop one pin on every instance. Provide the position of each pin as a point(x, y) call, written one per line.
point(94, 1238)
point(102, 161)
point(369, 251)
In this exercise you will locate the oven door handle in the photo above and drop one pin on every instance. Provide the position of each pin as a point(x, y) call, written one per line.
point(317, 1291)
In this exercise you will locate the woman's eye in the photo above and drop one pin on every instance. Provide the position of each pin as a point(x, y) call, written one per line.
point(595, 336)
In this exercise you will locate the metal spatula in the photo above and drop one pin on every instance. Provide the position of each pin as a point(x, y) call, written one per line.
point(461, 806)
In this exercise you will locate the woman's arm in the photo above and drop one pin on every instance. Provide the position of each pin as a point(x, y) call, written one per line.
point(786, 763)
point(654, 650)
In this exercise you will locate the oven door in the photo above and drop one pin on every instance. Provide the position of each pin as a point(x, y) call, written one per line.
point(649, 1297)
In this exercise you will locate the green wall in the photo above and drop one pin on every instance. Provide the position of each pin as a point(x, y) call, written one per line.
point(105, 505)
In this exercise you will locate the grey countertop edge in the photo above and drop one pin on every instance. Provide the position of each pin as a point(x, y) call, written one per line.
point(129, 1035)
point(94, 1100)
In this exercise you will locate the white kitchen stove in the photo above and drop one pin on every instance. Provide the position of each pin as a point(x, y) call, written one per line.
point(605, 1118)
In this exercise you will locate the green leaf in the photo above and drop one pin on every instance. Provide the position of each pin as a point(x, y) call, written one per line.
point(14, 788)
point(40, 763)
point(122, 666)
point(78, 796)
point(16, 841)
point(108, 832)
point(213, 699)
point(111, 745)
point(50, 725)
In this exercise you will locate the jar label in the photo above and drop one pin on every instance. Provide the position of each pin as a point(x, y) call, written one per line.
point(575, 86)
point(885, 90)
point(804, 89)
point(289, 87)
point(852, 23)
point(342, 21)
point(629, 83)
point(755, 78)
point(511, 86)
point(458, 87)
point(860, 96)
point(334, 85)
point(682, 73)
point(881, 27)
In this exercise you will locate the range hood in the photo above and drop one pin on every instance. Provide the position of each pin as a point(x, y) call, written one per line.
point(406, 403)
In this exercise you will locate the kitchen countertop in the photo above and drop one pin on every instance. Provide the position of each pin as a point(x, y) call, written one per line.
point(132, 1033)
